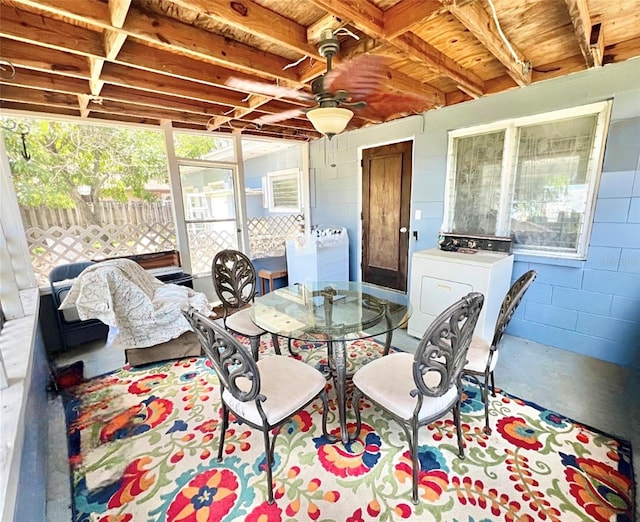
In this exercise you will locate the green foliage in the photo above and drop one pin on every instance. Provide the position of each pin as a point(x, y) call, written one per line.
point(195, 146)
point(107, 162)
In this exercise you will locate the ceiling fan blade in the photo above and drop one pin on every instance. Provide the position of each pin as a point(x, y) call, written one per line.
point(386, 106)
point(361, 76)
point(268, 89)
point(280, 116)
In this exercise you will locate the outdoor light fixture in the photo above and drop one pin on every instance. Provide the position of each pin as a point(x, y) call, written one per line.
point(329, 120)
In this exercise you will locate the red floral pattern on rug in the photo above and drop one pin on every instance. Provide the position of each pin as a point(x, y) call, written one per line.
point(144, 446)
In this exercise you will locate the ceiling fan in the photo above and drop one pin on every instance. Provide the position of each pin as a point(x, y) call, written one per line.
point(356, 84)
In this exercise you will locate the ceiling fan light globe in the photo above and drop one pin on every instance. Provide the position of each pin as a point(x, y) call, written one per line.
point(329, 120)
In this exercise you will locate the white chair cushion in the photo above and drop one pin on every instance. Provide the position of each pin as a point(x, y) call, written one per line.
point(241, 322)
point(389, 381)
point(288, 384)
point(478, 355)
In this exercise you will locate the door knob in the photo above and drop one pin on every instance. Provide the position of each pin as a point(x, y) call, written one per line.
point(403, 230)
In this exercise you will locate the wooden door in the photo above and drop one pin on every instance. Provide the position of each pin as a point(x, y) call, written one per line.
point(386, 213)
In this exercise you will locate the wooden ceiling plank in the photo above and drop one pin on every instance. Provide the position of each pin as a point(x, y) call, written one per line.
point(407, 14)
point(27, 27)
point(370, 19)
point(118, 10)
point(38, 109)
point(17, 93)
point(129, 109)
point(420, 50)
point(170, 34)
point(581, 21)
point(151, 99)
point(48, 82)
point(255, 19)
point(128, 77)
point(207, 46)
point(483, 26)
point(44, 58)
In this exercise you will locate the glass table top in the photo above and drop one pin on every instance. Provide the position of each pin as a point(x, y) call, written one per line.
point(334, 309)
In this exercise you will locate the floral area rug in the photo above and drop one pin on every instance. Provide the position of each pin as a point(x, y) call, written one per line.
point(143, 446)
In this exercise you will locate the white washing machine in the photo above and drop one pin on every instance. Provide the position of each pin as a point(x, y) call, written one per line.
point(439, 278)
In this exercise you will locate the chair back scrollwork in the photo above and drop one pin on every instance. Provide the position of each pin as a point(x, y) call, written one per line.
point(234, 278)
point(442, 352)
point(236, 369)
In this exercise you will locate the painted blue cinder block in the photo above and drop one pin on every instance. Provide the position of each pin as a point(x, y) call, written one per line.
point(634, 207)
point(581, 300)
point(636, 183)
point(625, 308)
point(630, 260)
point(615, 234)
point(558, 275)
point(623, 146)
point(616, 184)
point(604, 349)
point(539, 292)
point(607, 327)
point(603, 258)
point(616, 283)
point(551, 315)
point(612, 210)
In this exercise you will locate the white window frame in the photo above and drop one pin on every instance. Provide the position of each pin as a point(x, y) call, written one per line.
point(510, 126)
point(280, 175)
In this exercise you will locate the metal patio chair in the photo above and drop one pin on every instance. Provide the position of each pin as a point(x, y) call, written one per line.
point(263, 394)
point(483, 356)
point(418, 389)
point(234, 281)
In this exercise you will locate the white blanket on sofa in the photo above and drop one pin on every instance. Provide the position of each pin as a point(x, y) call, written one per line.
point(145, 310)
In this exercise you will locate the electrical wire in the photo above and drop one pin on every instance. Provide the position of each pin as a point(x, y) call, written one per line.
point(525, 65)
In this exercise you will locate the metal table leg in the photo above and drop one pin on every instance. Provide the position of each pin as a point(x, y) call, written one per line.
point(339, 349)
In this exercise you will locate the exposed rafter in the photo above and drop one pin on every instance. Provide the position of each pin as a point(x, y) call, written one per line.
point(142, 61)
point(482, 25)
point(370, 19)
point(582, 26)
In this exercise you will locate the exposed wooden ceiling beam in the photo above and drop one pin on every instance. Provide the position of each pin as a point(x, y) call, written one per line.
point(23, 26)
point(581, 21)
point(44, 59)
point(370, 19)
point(118, 10)
point(421, 51)
point(407, 14)
point(483, 26)
point(112, 41)
point(168, 34)
point(48, 82)
point(252, 18)
point(329, 21)
point(128, 77)
point(17, 93)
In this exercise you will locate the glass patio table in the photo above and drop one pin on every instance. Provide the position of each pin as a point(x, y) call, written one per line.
point(336, 312)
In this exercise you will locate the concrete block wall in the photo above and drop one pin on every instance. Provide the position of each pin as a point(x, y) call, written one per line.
point(593, 307)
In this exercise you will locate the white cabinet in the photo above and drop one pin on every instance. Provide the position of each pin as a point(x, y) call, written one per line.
point(323, 256)
point(438, 279)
